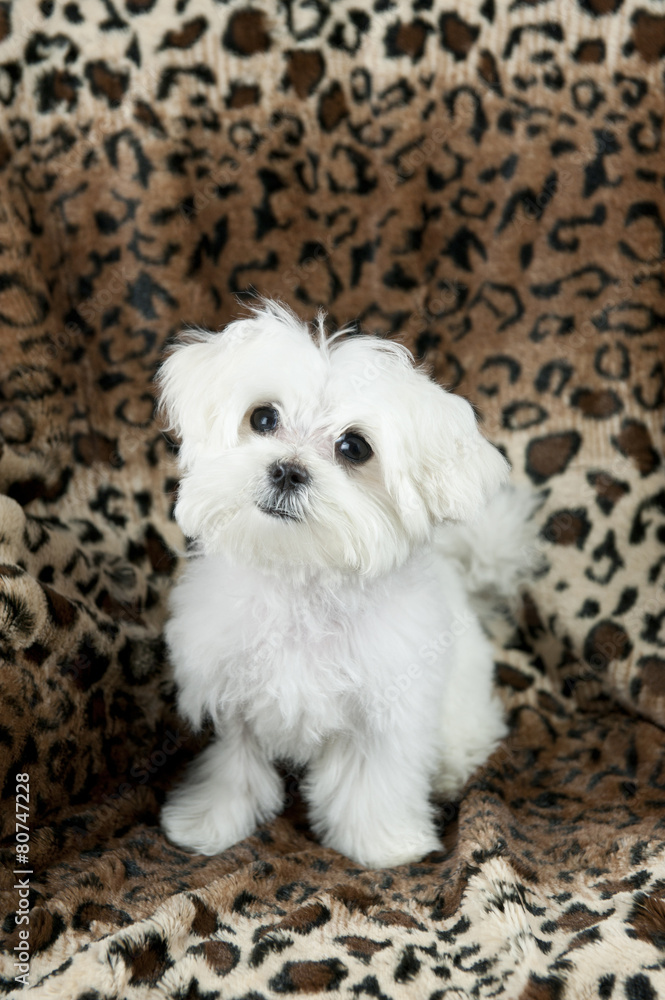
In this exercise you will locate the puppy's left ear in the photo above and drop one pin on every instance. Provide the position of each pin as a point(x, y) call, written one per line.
point(459, 470)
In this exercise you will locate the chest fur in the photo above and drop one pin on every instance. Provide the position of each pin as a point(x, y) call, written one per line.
point(302, 663)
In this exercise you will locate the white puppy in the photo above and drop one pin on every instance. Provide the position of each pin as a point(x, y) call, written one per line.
point(321, 621)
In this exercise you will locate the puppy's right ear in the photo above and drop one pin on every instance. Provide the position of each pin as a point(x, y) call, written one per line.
point(209, 379)
point(190, 389)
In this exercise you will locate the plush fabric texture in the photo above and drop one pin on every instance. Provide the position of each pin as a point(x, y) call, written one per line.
point(481, 180)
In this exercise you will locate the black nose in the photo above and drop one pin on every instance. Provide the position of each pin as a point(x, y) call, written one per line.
point(287, 475)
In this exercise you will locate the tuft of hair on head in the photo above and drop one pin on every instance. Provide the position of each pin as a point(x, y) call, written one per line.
point(352, 334)
point(320, 326)
point(261, 306)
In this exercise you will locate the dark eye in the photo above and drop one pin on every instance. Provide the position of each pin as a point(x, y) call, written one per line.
point(353, 447)
point(264, 419)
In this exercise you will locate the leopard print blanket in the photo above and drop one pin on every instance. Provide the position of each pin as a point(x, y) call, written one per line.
point(482, 180)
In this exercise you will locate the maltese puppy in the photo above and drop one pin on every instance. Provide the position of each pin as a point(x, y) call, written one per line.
point(326, 617)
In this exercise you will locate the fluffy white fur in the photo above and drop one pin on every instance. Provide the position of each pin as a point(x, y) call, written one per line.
point(343, 637)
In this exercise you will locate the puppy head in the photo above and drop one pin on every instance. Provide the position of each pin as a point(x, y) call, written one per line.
point(336, 453)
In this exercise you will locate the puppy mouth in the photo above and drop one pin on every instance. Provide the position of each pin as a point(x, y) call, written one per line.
point(279, 512)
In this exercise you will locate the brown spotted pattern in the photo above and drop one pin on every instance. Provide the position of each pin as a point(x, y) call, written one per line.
point(483, 181)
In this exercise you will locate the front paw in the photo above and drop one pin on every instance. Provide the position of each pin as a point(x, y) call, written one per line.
point(204, 824)
point(387, 851)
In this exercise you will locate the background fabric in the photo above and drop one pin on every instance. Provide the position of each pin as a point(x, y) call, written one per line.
point(483, 181)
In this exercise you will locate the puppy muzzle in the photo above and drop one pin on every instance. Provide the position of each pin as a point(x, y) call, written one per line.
point(286, 491)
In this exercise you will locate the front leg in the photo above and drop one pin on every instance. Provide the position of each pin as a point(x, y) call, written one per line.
point(228, 791)
point(371, 802)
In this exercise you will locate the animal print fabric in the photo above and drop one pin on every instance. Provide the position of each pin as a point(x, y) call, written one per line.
point(481, 180)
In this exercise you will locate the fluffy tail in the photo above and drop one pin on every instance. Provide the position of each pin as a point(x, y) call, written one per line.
point(498, 552)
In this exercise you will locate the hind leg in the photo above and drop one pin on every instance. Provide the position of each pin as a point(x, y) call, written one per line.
point(473, 718)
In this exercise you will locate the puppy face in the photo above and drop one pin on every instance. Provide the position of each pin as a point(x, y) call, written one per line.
point(337, 454)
